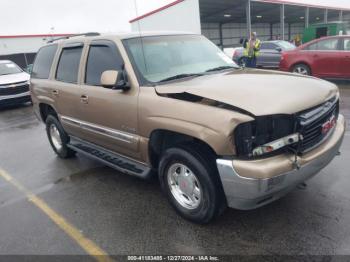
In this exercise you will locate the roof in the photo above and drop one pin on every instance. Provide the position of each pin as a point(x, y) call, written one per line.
point(219, 4)
point(122, 36)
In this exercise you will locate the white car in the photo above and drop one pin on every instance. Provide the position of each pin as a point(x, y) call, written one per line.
point(14, 84)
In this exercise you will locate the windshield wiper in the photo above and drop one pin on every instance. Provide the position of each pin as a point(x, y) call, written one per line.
point(220, 68)
point(178, 77)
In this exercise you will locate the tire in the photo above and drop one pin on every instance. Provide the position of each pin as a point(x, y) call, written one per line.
point(58, 138)
point(208, 202)
point(302, 69)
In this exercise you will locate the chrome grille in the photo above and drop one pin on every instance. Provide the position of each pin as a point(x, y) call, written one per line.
point(14, 89)
point(311, 124)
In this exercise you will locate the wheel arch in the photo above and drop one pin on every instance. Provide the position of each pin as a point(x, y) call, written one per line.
point(162, 139)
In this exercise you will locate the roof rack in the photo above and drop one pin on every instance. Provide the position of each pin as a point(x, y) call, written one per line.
point(76, 35)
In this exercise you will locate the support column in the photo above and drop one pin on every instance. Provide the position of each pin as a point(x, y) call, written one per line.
point(325, 20)
point(307, 17)
point(282, 22)
point(249, 18)
point(221, 38)
point(341, 15)
point(271, 31)
point(289, 31)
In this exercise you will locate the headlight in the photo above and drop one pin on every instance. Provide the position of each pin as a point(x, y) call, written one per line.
point(265, 135)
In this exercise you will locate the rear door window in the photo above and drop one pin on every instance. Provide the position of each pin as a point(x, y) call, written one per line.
point(103, 56)
point(68, 66)
point(268, 46)
point(324, 45)
point(43, 62)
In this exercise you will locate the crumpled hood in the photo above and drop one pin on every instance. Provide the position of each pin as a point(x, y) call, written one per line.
point(259, 92)
point(14, 78)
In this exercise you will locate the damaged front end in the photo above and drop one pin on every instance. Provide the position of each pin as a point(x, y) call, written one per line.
point(297, 133)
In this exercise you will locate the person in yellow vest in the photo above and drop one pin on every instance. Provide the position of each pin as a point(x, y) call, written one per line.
point(251, 50)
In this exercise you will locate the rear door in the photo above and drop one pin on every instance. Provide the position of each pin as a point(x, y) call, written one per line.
point(324, 57)
point(66, 87)
point(269, 55)
point(345, 59)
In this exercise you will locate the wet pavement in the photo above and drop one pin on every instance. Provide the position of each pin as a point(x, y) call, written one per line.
point(125, 215)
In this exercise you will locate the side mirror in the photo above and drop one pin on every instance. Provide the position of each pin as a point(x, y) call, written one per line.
point(115, 80)
point(278, 49)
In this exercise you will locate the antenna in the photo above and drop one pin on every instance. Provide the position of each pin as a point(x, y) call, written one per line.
point(140, 35)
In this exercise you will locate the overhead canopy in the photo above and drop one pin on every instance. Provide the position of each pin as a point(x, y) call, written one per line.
point(228, 11)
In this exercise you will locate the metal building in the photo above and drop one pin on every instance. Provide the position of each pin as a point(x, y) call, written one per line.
point(225, 22)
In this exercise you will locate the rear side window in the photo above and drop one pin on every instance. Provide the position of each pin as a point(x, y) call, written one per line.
point(268, 46)
point(102, 57)
point(68, 66)
point(43, 62)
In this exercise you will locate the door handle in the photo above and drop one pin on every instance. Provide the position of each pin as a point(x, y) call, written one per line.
point(55, 92)
point(84, 99)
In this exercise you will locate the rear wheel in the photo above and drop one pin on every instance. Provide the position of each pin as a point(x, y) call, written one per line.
point(301, 69)
point(191, 184)
point(58, 138)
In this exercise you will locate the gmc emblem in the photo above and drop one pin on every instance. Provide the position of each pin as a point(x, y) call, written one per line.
point(326, 127)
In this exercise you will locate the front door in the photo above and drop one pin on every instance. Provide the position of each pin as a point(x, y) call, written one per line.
point(109, 117)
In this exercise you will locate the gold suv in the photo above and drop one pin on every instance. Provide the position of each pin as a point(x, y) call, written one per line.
point(175, 105)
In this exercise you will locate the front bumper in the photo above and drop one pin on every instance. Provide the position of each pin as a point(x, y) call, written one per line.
point(260, 182)
point(15, 99)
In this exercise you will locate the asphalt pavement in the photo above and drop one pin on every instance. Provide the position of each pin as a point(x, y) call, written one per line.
point(124, 215)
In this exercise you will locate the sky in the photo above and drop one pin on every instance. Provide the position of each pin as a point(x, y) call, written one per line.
point(77, 16)
point(71, 16)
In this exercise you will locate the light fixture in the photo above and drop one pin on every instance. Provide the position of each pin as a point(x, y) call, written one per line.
point(227, 15)
point(259, 16)
point(302, 17)
point(317, 18)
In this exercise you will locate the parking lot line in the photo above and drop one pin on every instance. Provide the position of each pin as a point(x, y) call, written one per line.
point(88, 245)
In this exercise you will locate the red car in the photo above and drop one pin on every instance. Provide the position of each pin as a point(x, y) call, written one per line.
point(328, 57)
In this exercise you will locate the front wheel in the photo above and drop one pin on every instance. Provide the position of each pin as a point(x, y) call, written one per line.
point(301, 69)
point(191, 184)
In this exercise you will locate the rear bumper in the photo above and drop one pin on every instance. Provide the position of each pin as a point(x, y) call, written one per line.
point(243, 192)
point(15, 99)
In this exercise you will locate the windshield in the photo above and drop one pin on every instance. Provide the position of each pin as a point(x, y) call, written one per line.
point(9, 68)
point(286, 45)
point(161, 58)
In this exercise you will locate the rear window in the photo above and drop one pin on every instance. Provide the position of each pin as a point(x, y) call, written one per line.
point(68, 66)
point(43, 62)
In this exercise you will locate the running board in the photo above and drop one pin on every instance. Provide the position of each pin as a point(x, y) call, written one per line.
point(109, 158)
